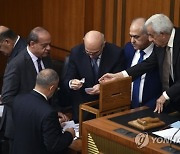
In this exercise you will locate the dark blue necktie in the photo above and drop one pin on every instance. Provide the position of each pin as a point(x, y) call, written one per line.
point(95, 68)
point(136, 85)
point(39, 64)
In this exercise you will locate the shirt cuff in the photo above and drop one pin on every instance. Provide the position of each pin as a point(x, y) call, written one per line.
point(70, 84)
point(165, 95)
point(125, 74)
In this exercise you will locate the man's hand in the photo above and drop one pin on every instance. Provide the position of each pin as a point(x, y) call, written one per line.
point(62, 117)
point(110, 76)
point(71, 130)
point(95, 90)
point(159, 104)
point(76, 84)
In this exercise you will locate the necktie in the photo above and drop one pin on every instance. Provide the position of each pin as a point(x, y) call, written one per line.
point(136, 84)
point(166, 68)
point(95, 68)
point(39, 64)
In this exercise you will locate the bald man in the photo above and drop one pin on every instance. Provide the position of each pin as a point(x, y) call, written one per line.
point(147, 93)
point(11, 44)
point(87, 62)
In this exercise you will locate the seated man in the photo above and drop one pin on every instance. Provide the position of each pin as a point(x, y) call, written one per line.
point(37, 127)
point(88, 62)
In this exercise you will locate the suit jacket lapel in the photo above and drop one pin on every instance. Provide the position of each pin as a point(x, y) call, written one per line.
point(47, 62)
point(104, 66)
point(86, 61)
point(30, 64)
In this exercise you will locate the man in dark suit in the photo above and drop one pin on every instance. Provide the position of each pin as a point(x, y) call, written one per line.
point(88, 62)
point(20, 74)
point(37, 127)
point(161, 31)
point(11, 44)
point(143, 91)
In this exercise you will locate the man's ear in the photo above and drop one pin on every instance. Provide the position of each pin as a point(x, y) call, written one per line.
point(51, 87)
point(8, 41)
point(32, 43)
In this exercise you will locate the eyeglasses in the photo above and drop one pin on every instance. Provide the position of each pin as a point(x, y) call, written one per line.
point(96, 52)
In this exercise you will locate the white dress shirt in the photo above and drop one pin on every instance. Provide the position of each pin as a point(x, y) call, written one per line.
point(34, 59)
point(136, 57)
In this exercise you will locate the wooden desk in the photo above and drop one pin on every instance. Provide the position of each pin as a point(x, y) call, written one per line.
point(75, 147)
point(98, 136)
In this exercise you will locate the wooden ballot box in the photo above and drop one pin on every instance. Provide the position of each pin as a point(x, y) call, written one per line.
point(114, 96)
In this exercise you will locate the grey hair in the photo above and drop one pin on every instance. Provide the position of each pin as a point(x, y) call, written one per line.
point(160, 23)
point(46, 78)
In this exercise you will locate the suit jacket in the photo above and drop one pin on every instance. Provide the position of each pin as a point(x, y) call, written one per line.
point(150, 91)
point(19, 77)
point(20, 45)
point(37, 127)
point(112, 60)
point(156, 60)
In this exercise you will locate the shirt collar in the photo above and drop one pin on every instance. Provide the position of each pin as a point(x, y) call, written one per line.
point(41, 94)
point(171, 40)
point(33, 57)
point(17, 40)
point(149, 49)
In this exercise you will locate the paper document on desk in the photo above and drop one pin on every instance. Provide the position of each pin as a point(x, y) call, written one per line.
point(168, 134)
point(175, 124)
point(71, 124)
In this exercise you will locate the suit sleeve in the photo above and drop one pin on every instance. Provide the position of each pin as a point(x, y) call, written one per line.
point(11, 83)
point(144, 67)
point(54, 139)
point(71, 71)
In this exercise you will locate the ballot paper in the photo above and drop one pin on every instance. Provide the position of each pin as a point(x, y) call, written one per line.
point(171, 134)
point(71, 124)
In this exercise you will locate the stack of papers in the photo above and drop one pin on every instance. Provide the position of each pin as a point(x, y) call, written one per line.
point(172, 134)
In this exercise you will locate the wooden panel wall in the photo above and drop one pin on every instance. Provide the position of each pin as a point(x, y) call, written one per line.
point(65, 21)
point(21, 16)
point(69, 20)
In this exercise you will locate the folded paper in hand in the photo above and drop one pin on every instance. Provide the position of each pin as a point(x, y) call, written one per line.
point(71, 124)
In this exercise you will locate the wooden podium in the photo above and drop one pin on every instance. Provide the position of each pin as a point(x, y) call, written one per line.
point(100, 136)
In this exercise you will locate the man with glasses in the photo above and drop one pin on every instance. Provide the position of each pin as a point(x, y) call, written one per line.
point(11, 44)
point(143, 91)
point(87, 62)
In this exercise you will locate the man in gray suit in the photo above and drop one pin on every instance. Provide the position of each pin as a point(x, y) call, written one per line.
point(20, 74)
